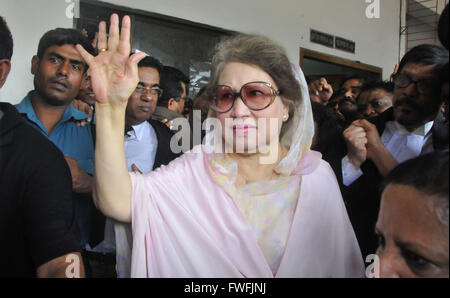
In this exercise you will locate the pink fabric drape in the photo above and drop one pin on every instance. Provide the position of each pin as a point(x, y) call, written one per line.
point(185, 225)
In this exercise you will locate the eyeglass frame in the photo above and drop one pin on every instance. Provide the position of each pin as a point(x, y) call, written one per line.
point(273, 96)
point(418, 84)
point(140, 89)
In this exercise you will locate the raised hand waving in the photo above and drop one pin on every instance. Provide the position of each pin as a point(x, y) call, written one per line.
point(114, 73)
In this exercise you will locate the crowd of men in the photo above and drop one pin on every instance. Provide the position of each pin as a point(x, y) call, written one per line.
point(383, 124)
point(365, 129)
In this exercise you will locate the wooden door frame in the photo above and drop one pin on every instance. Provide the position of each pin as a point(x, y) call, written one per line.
point(339, 61)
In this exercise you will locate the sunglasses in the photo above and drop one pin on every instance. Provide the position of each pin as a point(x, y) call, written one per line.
point(256, 96)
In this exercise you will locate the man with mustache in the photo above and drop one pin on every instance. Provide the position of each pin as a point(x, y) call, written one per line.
point(147, 141)
point(347, 107)
point(407, 130)
point(58, 70)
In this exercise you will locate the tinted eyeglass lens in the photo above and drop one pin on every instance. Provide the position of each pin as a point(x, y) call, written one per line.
point(223, 98)
point(256, 95)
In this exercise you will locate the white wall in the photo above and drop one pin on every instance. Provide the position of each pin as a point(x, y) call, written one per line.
point(285, 21)
point(28, 20)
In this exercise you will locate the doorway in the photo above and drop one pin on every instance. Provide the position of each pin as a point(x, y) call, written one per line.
point(316, 65)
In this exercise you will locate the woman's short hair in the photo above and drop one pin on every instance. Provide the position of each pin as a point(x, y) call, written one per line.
point(261, 52)
point(429, 174)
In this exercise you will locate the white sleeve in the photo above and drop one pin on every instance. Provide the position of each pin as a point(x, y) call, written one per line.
point(349, 173)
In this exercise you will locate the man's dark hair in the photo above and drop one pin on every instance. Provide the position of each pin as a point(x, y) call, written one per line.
point(443, 27)
point(376, 85)
point(429, 174)
point(171, 79)
point(425, 54)
point(62, 36)
point(361, 78)
point(6, 40)
point(152, 62)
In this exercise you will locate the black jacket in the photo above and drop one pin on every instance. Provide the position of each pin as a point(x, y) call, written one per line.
point(37, 222)
point(163, 153)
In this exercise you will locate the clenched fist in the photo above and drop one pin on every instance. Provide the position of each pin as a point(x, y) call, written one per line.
point(320, 91)
point(356, 140)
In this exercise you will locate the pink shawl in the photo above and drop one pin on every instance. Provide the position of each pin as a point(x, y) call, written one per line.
point(185, 225)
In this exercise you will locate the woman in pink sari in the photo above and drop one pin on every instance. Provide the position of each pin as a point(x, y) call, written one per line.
point(253, 201)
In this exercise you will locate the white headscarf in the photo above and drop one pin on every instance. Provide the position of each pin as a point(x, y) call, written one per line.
point(298, 133)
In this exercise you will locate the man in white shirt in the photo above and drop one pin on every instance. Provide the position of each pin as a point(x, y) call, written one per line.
point(399, 134)
point(140, 139)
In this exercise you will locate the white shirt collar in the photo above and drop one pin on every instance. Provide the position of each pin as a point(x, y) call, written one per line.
point(139, 131)
point(421, 131)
